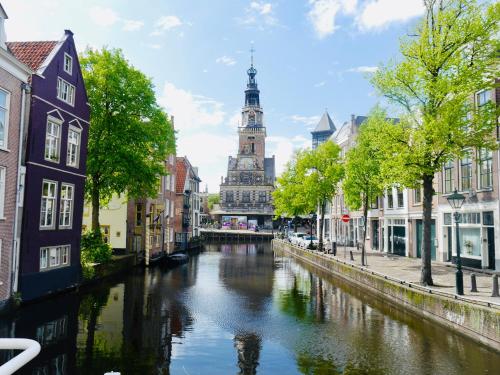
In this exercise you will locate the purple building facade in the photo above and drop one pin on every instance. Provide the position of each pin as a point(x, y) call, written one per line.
point(55, 158)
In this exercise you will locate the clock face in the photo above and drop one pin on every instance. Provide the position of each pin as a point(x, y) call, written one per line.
point(251, 117)
point(245, 163)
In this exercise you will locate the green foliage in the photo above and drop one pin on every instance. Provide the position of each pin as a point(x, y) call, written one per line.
point(213, 199)
point(94, 249)
point(363, 180)
point(130, 136)
point(451, 56)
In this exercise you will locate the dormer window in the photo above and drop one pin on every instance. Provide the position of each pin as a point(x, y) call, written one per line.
point(68, 64)
point(65, 91)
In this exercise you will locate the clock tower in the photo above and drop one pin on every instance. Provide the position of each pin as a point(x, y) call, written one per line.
point(245, 193)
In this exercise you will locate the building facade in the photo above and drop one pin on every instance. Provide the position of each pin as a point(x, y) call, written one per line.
point(55, 159)
point(245, 194)
point(187, 203)
point(14, 104)
point(323, 130)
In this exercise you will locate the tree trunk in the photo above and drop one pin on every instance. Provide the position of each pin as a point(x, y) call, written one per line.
point(426, 274)
point(321, 221)
point(95, 206)
point(365, 221)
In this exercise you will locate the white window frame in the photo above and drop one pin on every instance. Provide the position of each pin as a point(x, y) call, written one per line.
point(61, 254)
point(64, 208)
point(4, 146)
point(54, 210)
point(479, 173)
point(68, 58)
point(77, 157)
point(67, 95)
point(3, 179)
point(57, 122)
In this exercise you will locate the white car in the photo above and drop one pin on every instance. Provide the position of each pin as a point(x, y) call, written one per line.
point(294, 237)
point(305, 241)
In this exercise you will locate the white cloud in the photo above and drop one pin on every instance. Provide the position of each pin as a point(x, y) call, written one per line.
point(378, 14)
point(261, 7)
point(103, 16)
point(166, 23)
point(235, 120)
point(225, 60)
point(191, 111)
point(284, 147)
point(323, 13)
point(259, 14)
point(320, 84)
point(363, 69)
point(306, 120)
point(154, 46)
point(132, 25)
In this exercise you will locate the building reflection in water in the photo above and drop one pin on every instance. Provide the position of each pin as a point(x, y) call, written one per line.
point(248, 346)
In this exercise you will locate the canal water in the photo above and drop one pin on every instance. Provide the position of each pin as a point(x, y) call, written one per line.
point(237, 309)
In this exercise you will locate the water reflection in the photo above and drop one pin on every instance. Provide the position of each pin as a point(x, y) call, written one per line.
point(236, 309)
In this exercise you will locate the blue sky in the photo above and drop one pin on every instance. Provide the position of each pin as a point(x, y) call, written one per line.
point(310, 55)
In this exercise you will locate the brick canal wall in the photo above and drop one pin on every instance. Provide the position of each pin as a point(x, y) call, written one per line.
point(481, 323)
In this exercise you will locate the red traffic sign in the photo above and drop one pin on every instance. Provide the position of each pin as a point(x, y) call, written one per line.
point(345, 218)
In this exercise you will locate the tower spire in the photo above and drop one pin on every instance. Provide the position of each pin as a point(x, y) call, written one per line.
point(252, 50)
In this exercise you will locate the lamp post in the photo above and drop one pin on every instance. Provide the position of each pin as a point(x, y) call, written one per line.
point(456, 200)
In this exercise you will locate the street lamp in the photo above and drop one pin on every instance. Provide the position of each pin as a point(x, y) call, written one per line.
point(456, 200)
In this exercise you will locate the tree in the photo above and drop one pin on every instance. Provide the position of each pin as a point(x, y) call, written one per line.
point(363, 182)
point(320, 172)
point(130, 136)
point(213, 199)
point(288, 197)
point(451, 56)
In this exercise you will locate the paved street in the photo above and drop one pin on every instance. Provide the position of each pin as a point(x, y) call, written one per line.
point(408, 270)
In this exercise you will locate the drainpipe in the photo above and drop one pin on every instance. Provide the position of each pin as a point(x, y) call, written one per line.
point(25, 89)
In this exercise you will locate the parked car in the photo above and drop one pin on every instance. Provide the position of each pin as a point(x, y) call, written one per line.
point(294, 237)
point(305, 241)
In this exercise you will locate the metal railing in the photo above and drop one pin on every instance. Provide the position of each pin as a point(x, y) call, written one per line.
point(30, 349)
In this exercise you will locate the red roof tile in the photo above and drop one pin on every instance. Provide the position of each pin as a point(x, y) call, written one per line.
point(32, 54)
point(180, 178)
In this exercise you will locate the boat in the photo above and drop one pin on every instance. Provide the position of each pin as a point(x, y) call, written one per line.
point(178, 258)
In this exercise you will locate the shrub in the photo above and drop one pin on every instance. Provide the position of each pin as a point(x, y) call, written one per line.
point(94, 249)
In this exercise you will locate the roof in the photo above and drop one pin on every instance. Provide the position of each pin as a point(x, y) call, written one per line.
point(325, 124)
point(32, 54)
point(180, 172)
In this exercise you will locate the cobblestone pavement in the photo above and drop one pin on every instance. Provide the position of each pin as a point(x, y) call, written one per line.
point(408, 270)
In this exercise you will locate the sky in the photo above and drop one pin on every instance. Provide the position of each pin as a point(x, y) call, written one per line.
point(311, 56)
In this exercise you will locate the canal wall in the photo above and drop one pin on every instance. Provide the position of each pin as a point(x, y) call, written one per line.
point(480, 323)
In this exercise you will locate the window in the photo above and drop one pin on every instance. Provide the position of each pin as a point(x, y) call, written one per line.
point(105, 231)
point(54, 257)
point(485, 169)
point(482, 97)
point(65, 91)
point(246, 197)
point(4, 118)
point(229, 197)
point(48, 208)
point(466, 172)
point(3, 171)
point(66, 206)
point(73, 157)
point(262, 197)
point(374, 203)
point(488, 218)
point(138, 215)
point(68, 64)
point(390, 199)
point(417, 196)
point(401, 202)
point(448, 177)
point(52, 140)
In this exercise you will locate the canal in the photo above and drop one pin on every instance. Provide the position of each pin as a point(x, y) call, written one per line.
point(237, 309)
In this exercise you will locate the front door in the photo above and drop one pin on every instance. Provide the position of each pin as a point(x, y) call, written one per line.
point(450, 243)
point(491, 248)
point(420, 236)
point(375, 230)
point(399, 240)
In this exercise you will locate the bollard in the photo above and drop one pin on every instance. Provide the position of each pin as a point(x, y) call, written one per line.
point(334, 248)
point(352, 256)
point(494, 293)
point(473, 285)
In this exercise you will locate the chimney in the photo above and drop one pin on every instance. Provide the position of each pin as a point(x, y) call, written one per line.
point(68, 32)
